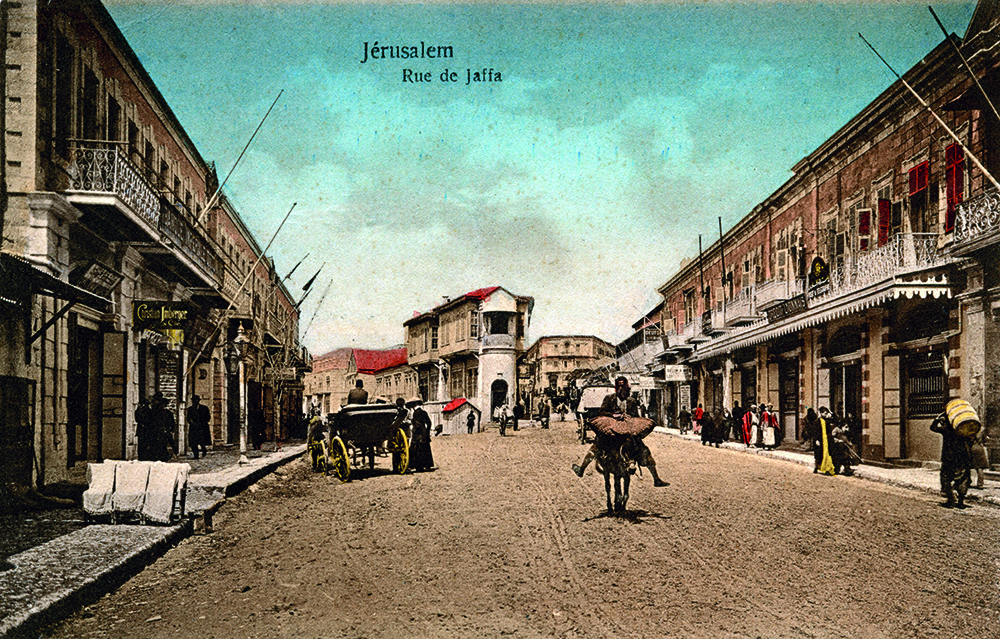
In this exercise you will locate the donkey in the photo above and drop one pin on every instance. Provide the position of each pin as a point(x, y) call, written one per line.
point(616, 456)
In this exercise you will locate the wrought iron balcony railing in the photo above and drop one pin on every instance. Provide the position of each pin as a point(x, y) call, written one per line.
point(904, 253)
point(977, 222)
point(108, 171)
point(182, 232)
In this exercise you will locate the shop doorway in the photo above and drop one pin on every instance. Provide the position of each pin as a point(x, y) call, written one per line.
point(788, 397)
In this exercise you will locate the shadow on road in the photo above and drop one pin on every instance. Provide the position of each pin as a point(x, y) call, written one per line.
point(632, 516)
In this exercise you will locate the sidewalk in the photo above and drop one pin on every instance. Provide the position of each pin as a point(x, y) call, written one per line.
point(53, 579)
point(925, 478)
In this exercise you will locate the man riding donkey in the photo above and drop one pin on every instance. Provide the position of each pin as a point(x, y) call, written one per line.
point(613, 439)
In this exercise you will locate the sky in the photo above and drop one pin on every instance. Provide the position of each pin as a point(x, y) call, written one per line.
point(610, 137)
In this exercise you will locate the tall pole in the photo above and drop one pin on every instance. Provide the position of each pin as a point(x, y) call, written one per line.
point(722, 252)
point(701, 271)
point(958, 140)
point(214, 197)
point(965, 62)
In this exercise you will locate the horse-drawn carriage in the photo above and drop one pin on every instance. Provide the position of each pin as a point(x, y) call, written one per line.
point(591, 398)
point(366, 431)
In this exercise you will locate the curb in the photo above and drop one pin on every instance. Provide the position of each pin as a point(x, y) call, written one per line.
point(867, 472)
point(53, 580)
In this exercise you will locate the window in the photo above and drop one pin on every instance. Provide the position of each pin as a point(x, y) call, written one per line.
point(88, 107)
point(65, 55)
point(926, 384)
point(114, 120)
point(471, 382)
point(864, 228)
point(954, 160)
point(919, 179)
point(690, 306)
point(474, 324)
point(434, 338)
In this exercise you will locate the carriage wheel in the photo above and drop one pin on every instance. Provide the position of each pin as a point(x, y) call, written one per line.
point(400, 452)
point(339, 462)
point(321, 460)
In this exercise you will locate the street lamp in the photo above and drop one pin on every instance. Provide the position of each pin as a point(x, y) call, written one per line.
point(235, 359)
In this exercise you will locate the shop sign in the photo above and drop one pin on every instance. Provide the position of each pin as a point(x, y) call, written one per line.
point(677, 373)
point(785, 309)
point(651, 334)
point(159, 315)
point(819, 278)
point(284, 374)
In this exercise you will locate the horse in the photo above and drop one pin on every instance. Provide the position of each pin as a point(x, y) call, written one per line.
point(616, 456)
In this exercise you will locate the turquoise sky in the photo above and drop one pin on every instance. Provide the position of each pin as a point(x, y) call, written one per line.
point(617, 135)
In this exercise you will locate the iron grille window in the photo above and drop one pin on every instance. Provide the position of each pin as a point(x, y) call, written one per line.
point(926, 389)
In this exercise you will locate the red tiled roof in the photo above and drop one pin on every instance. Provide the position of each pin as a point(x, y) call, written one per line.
point(370, 362)
point(482, 293)
point(453, 404)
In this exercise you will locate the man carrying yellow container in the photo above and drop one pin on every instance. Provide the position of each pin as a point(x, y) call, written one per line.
point(958, 425)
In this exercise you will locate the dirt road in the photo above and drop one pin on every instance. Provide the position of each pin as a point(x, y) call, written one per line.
point(503, 540)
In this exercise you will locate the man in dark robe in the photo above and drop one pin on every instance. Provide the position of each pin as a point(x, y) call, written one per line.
point(199, 436)
point(956, 463)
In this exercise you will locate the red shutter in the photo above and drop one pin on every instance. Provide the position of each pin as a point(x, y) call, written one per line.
point(954, 159)
point(918, 177)
point(885, 216)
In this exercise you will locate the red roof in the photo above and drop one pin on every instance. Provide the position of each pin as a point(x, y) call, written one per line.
point(453, 404)
point(482, 293)
point(371, 362)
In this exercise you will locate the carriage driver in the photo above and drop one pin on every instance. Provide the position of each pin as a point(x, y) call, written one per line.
point(619, 404)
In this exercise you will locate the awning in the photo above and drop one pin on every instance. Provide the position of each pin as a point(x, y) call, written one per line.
point(20, 279)
point(824, 312)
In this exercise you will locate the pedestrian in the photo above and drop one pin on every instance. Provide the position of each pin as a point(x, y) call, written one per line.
point(810, 431)
point(841, 450)
point(145, 444)
point(824, 462)
point(258, 428)
point(470, 421)
point(956, 462)
point(199, 435)
point(707, 429)
point(544, 414)
point(421, 458)
point(723, 424)
point(736, 421)
point(769, 430)
point(504, 416)
point(750, 427)
point(699, 413)
point(518, 414)
point(980, 460)
point(684, 420)
point(161, 427)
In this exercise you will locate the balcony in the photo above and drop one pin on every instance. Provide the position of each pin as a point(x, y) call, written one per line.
point(905, 253)
point(105, 177)
point(195, 248)
point(977, 224)
point(776, 291)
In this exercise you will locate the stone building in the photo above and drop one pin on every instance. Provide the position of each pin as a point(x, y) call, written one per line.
point(469, 347)
point(555, 362)
point(326, 384)
point(867, 281)
point(135, 276)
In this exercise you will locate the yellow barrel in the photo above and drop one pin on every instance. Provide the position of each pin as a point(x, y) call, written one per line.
point(963, 418)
